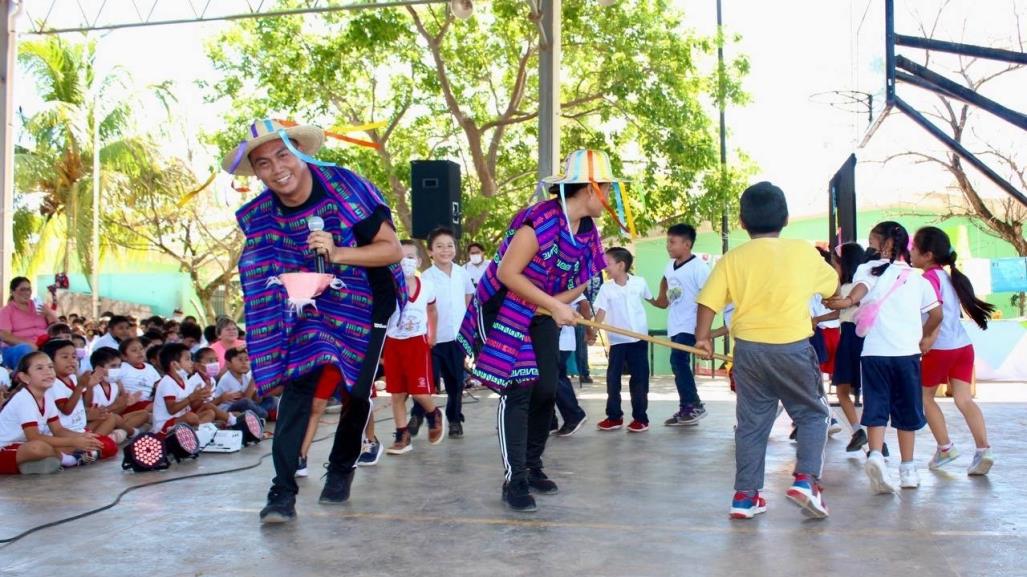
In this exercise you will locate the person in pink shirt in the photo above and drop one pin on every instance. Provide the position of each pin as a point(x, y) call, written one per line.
point(228, 338)
point(22, 323)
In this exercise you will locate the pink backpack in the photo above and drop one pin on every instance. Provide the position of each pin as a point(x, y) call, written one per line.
point(866, 314)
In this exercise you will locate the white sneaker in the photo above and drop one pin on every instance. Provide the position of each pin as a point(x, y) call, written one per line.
point(942, 458)
point(835, 427)
point(881, 482)
point(981, 464)
point(908, 477)
point(301, 470)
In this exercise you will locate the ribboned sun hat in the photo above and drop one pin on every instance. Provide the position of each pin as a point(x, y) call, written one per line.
point(310, 139)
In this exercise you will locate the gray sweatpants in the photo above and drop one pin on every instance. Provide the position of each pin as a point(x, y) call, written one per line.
point(765, 374)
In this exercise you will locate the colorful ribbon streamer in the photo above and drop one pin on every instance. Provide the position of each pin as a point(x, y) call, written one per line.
point(339, 132)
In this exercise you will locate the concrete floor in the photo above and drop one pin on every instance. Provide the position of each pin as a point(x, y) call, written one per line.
point(653, 504)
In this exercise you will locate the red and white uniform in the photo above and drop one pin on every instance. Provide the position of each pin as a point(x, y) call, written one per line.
point(138, 379)
point(407, 355)
point(21, 412)
point(104, 395)
point(60, 392)
point(952, 354)
point(169, 390)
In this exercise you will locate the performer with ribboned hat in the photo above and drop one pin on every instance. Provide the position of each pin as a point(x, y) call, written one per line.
point(307, 333)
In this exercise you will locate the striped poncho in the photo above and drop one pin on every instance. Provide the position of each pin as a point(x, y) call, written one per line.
point(282, 345)
point(506, 357)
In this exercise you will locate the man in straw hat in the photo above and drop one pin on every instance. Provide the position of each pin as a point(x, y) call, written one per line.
point(338, 340)
point(548, 255)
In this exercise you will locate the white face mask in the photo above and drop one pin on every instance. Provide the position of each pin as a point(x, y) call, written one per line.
point(409, 266)
point(212, 369)
point(476, 259)
point(113, 373)
point(182, 374)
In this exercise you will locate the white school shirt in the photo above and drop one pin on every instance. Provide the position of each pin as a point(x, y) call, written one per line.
point(105, 398)
point(23, 411)
point(476, 272)
point(951, 333)
point(76, 421)
point(169, 390)
point(139, 380)
point(623, 306)
point(898, 328)
point(412, 321)
point(451, 292)
point(196, 381)
point(568, 338)
point(230, 384)
point(683, 286)
point(817, 308)
point(847, 315)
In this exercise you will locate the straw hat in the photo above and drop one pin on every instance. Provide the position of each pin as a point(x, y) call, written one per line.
point(310, 139)
point(585, 166)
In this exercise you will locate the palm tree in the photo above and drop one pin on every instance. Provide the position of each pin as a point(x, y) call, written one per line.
point(56, 156)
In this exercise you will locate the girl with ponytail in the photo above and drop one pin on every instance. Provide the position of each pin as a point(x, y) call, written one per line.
point(892, 300)
point(950, 354)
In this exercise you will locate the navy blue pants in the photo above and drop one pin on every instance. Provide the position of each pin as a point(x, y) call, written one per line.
point(681, 364)
point(635, 357)
point(566, 401)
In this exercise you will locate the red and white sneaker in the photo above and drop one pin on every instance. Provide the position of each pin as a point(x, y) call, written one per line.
point(638, 427)
point(610, 424)
point(806, 493)
point(746, 507)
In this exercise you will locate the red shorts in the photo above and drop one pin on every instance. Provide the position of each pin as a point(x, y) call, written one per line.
point(9, 459)
point(408, 366)
point(167, 426)
point(938, 367)
point(109, 448)
point(328, 382)
point(831, 338)
point(140, 406)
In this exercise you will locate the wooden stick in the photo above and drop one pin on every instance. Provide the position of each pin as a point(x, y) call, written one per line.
point(655, 340)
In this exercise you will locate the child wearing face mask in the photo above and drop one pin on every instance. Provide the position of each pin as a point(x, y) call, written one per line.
point(476, 262)
point(407, 354)
point(177, 399)
point(204, 376)
point(107, 395)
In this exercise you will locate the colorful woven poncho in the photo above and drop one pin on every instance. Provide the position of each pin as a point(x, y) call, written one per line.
point(284, 345)
point(506, 357)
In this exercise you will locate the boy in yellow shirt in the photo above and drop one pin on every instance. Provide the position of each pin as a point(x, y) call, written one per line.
point(770, 280)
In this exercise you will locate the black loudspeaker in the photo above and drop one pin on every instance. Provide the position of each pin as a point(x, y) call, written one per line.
point(841, 208)
point(435, 196)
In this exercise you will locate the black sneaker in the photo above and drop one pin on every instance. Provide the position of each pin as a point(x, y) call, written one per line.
point(859, 438)
point(280, 508)
point(554, 426)
point(569, 429)
point(540, 483)
point(585, 380)
point(414, 424)
point(456, 430)
point(336, 489)
point(517, 498)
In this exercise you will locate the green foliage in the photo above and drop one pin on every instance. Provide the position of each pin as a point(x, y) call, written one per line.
point(635, 82)
point(56, 154)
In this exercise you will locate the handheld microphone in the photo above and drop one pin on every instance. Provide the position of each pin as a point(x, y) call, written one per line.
point(315, 224)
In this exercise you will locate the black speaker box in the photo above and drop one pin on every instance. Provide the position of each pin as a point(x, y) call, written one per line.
point(435, 196)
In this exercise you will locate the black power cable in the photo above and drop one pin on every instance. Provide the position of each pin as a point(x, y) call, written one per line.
point(112, 504)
